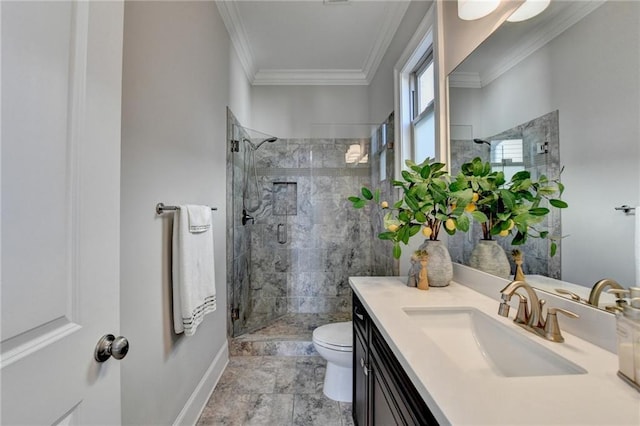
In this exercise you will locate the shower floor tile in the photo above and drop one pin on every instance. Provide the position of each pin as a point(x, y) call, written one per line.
point(289, 335)
point(274, 390)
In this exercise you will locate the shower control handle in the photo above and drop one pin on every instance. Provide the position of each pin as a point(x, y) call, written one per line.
point(282, 233)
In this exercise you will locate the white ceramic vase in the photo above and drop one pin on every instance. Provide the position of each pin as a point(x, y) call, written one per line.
point(439, 266)
point(489, 256)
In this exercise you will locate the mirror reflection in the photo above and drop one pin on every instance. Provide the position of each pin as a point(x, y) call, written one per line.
point(565, 88)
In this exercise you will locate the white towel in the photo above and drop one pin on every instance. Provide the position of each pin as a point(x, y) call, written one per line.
point(199, 218)
point(194, 289)
point(637, 245)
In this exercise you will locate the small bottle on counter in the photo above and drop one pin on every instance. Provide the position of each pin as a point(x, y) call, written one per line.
point(628, 331)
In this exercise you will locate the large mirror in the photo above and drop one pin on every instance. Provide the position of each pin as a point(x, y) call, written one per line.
point(566, 84)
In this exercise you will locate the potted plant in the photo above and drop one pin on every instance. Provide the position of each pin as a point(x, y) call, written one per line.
point(513, 209)
point(426, 205)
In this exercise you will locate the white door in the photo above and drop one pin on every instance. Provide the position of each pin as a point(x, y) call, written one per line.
point(61, 103)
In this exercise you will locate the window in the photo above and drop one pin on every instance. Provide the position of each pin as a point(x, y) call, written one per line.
point(423, 109)
point(507, 155)
point(416, 76)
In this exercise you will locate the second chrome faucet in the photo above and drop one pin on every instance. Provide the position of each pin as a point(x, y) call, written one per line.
point(529, 314)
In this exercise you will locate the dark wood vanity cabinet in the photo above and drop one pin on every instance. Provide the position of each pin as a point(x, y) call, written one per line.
point(382, 392)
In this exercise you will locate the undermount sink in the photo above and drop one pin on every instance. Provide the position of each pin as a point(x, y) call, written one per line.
point(477, 342)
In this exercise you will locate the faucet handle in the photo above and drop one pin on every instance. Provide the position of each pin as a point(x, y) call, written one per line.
point(619, 292)
point(522, 316)
point(571, 294)
point(551, 326)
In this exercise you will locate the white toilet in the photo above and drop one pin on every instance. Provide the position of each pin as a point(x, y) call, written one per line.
point(334, 342)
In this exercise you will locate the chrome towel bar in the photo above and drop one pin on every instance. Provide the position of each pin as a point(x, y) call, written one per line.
point(161, 208)
point(625, 208)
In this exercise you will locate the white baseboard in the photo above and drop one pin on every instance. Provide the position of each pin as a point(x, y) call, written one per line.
point(201, 394)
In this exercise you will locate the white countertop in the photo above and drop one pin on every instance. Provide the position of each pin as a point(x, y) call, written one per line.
point(461, 397)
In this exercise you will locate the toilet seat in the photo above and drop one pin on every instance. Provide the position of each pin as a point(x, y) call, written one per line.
point(337, 336)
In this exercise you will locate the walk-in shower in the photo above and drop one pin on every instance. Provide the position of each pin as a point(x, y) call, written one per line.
point(294, 238)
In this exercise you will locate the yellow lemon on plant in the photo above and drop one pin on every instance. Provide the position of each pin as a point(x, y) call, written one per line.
point(450, 224)
point(511, 224)
point(384, 205)
point(453, 206)
point(427, 231)
point(475, 197)
point(393, 228)
point(470, 207)
point(504, 233)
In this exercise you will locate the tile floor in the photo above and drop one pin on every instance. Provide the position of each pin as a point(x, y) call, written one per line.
point(274, 391)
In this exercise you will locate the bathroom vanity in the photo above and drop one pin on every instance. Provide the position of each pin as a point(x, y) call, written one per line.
point(388, 396)
point(444, 356)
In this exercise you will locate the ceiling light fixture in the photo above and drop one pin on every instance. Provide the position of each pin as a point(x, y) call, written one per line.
point(470, 10)
point(528, 10)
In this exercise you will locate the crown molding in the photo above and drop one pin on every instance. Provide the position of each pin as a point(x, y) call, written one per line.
point(233, 22)
point(395, 13)
point(467, 80)
point(310, 78)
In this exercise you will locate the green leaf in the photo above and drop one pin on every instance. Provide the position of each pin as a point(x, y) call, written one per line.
point(554, 248)
point(404, 216)
point(411, 202)
point(558, 203)
point(413, 230)
point(386, 235)
point(425, 172)
point(354, 199)
point(421, 190)
point(407, 176)
point(366, 193)
point(376, 195)
point(421, 217)
point(508, 198)
point(359, 204)
point(519, 239)
point(462, 223)
point(397, 251)
point(479, 217)
point(539, 211)
point(521, 175)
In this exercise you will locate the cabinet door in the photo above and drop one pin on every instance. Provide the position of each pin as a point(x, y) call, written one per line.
point(384, 410)
point(360, 379)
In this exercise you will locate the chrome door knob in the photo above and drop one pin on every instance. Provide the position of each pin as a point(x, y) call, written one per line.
point(111, 346)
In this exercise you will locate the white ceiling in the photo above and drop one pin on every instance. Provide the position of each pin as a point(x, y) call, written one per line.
point(310, 41)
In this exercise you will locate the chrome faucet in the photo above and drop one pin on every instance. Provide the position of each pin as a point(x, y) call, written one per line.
point(598, 288)
point(531, 318)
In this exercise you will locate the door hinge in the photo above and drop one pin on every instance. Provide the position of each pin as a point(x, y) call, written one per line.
point(235, 145)
point(235, 314)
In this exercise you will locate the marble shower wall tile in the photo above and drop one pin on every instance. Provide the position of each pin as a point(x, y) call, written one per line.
point(304, 185)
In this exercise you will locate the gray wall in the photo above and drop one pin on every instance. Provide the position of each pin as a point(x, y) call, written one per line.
point(176, 85)
point(381, 88)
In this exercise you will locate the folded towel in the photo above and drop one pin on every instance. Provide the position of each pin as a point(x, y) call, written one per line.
point(194, 289)
point(199, 218)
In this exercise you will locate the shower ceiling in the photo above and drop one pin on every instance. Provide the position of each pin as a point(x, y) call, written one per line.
point(310, 41)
